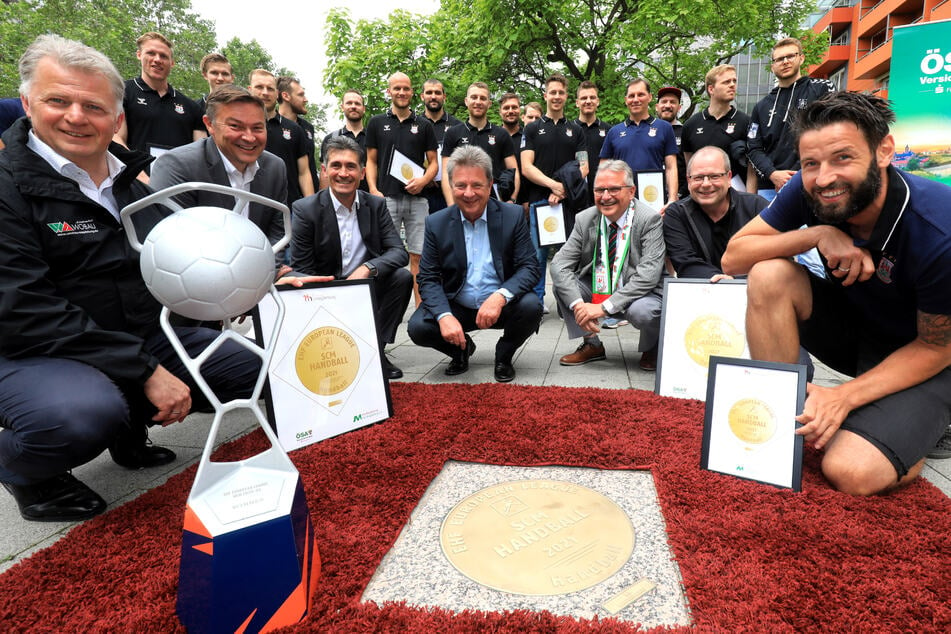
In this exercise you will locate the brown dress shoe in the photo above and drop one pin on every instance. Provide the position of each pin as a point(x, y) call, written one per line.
point(648, 361)
point(585, 353)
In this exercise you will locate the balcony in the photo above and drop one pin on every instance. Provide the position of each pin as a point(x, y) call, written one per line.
point(876, 14)
point(875, 62)
point(835, 20)
point(836, 57)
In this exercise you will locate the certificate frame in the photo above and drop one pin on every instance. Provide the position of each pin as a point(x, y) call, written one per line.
point(749, 424)
point(650, 188)
point(698, 319)
point(326, 376)
point(550, 224)
point(404, 169)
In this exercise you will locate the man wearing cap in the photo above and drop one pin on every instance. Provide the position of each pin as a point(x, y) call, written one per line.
point(668, 107)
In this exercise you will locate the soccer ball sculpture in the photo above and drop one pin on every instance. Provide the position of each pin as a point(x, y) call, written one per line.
point(207, 263)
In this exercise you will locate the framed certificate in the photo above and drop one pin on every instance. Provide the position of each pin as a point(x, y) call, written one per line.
point(326, 376)
point(650, 188)
point(550, 226)
point(403, 169)
point(698, 319)
point(750, 421)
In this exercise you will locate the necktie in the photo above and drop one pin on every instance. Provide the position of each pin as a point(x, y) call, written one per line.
point(612, 243)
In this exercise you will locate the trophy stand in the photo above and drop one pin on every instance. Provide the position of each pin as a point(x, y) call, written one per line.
point(249, 561)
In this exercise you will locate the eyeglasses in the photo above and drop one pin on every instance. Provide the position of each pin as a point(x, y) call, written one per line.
point(698, 179)
point(786, 58)
point(611, 191)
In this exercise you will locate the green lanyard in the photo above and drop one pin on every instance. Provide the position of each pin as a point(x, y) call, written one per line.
point(612, 271)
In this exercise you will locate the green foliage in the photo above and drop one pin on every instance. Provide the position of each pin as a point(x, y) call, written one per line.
point(245, 57)
point(515, 44)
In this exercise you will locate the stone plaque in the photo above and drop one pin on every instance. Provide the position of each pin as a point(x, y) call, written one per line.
point(537, 537)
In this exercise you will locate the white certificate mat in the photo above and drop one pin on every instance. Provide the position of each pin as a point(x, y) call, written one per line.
point(750, 421)
point(403, 169)
point(698, 320)
point(326, 376)
point(550, 224)
point(650, 189)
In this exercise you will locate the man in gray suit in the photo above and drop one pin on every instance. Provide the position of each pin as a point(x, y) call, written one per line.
point(612, 264)
point(348, 234)
point(232, 155)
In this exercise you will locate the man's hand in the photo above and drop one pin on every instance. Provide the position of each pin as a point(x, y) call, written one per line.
point(490, 310)
point(587, 316)
point(557, 193)
point(451, 330)
point(720, 276)
point(414, 186)
point(822, 414)
point(169, 395)
point(360, 273)
point(848, 262)
point(780, 177)
point(300, 281)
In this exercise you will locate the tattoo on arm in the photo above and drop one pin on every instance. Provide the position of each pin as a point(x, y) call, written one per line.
point(934, 330)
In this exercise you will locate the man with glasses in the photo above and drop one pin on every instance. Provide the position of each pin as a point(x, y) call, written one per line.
point(769, 141)
point(612, 264)
point(698, 228)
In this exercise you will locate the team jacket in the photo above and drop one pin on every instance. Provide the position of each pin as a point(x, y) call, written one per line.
point(70, 285)
point(769, 144)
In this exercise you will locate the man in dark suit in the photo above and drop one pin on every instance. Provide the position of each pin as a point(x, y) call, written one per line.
point(477, 270)
point(233, 155)
point(348, 234)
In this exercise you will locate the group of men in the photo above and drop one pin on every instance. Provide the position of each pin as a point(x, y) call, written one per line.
point(85, 323)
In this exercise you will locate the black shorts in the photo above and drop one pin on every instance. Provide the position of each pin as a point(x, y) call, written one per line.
point(904, 426)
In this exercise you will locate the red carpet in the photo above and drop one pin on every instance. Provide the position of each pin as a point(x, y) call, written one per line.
point(753, 558)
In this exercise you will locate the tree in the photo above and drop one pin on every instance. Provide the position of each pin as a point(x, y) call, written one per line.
point(245, 57)
point(515, 44)
point(112, 28)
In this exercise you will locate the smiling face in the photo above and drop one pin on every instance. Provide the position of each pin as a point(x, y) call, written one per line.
point(478, 102)
point(510, 111)
point(400, 91)
point(471, 190)
point(156, 59)
point(555, 97)
point(353, 107)
point(713, 186)
point(841, 176)
point(637, 99)
point(218, 74)
point(434, 97)
point(264, 87)
point(617, 194)
point(588, 101)
point(342, 169)
point(239, 131)
point(73, 112)
point(667, 107)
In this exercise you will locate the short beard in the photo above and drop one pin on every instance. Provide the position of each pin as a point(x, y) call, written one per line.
point(431, 109)
point(860, 198)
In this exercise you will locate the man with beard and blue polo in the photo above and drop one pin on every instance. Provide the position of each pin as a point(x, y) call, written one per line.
point(883, 313)
point(477, 271)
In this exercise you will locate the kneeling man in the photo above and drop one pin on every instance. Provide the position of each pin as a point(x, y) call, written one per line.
point(348, 234)
point(477, 270)
point(612, 264)
point(883, 315)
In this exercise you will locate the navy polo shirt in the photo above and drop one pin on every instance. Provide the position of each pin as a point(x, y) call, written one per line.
point(285, 139)
point(495, 140)
point(702, 129)
point(910, 246)
point(413, 137)
point(554, 143)
point(642, 145)
point(160, 123)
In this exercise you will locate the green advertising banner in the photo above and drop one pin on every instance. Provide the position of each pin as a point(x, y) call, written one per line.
point(920, 91)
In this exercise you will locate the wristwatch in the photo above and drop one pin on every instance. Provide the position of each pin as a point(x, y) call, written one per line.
point(373, 271)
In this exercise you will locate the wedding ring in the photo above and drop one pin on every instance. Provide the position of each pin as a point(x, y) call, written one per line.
point(839, 268)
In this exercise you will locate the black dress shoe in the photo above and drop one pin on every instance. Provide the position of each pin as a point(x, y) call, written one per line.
point(62, 498)
point(390, 371)
point(460, 364)
point(133, 450)
point(504, 372)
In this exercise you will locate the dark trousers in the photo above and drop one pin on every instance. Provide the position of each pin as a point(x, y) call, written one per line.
point(57, 414)
point(519, 319)
point(392, 297)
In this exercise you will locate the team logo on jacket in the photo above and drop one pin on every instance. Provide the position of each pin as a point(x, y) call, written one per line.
point(730, 127)
point(567, 132)
point(700, 130)
point(386, 127)
point(286, 133)
point(179, 108)
point(754, 128)
point(77, 227)
point(803, 102)
point(464, 140)
point(414, 129)
point(602, 132)
point(491, 139)
point(652, 132)
point(141, 101)
point(884, 270)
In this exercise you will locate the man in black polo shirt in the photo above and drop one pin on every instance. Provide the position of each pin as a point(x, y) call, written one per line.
point(157, 117)
point(353, 109)
point(550, 143)
point(434, 99)
point(588, 100)
point(292, 104)
point(667, 109)
point(217, 71)
point(407, 138)
point(477, 130)
point(285, 138)
point(720, 124)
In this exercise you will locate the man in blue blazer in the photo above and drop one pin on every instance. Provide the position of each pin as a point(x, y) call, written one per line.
point(477, 270)
point(232, 155)
point(348, 234)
